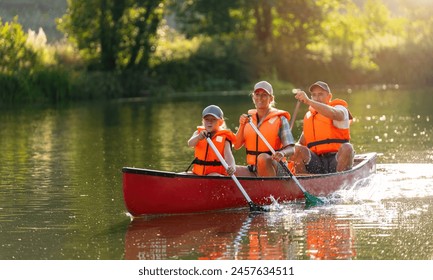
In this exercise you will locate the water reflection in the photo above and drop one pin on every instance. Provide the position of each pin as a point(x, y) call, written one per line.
point(396, 123)
point(240, 235)
point(200, 236)
point(330, 239)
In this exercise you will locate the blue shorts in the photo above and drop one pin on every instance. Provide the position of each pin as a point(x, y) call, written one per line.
point(323, 164)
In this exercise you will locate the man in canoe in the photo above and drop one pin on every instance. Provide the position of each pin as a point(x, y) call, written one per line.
point(206, 162)
point(274, 126)
point(324, 146)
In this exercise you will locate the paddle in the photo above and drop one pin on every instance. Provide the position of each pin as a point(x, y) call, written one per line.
point(310, 200)
point(295, 112)
point(253, 207)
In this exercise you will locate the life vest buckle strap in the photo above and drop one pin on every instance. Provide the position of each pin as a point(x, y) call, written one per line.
point(252, 168)
point(327, 141)
point(256, 153)
point(207, 163)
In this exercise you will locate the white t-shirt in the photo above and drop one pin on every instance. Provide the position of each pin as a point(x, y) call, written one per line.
point(344, 124)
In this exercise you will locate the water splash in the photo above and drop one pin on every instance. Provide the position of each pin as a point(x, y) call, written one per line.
point(392, 181)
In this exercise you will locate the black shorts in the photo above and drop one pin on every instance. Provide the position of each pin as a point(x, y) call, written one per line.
point(323, 164)
point(281, 171)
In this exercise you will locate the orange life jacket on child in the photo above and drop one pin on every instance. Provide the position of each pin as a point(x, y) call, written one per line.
point(206, 161)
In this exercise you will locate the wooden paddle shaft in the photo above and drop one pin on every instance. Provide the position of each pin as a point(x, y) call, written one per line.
point(295, 112)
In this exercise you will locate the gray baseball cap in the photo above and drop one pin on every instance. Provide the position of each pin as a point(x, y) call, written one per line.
point(322, 85)
point(214, 111)
point(265, 86)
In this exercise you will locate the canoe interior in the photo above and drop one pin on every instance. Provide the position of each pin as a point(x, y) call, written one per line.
point(359, 161)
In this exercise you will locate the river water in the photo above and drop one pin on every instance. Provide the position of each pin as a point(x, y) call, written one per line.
point(61, 184)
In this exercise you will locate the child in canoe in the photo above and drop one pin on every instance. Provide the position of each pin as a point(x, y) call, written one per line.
point(206, 161)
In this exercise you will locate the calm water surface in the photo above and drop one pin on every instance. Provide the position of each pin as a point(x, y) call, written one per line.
point(61, 185)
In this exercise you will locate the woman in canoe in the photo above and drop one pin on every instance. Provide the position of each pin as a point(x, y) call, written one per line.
point(274, 125)
point(206, 161)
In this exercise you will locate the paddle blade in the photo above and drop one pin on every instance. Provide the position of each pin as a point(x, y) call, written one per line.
point(311, 200)
point(256, 208)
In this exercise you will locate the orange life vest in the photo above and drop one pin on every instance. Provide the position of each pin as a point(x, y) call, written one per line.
point(206, 161)
point(269, 127)
point(320, 134)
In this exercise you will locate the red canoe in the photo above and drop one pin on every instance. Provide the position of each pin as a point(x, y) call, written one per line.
point(158, 192)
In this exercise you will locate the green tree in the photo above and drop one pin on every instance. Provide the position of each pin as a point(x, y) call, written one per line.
point(278, 31)
point(16, 55)
point(294, 27)
point(351, 36)
point(114, 34)
point(208, 17)
point(415, 56)
point(332, 39)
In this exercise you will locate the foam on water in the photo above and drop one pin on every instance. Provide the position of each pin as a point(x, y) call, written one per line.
point(392, 181)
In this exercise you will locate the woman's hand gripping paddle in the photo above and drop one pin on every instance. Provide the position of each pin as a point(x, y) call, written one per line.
point(310, 200)
point(253, 207)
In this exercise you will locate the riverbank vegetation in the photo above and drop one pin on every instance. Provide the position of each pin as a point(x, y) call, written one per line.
point(131, 48)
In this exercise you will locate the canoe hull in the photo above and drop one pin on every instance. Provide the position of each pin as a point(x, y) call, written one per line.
point(157, 192)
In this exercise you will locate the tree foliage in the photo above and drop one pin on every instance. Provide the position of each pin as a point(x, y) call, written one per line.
point(23, 77)
point(219, 45)
point(291, 40)
point(117, 35)
point(16, 55)
point(209, 17)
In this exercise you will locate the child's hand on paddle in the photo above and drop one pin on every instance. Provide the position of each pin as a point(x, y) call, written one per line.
point(231, 170)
